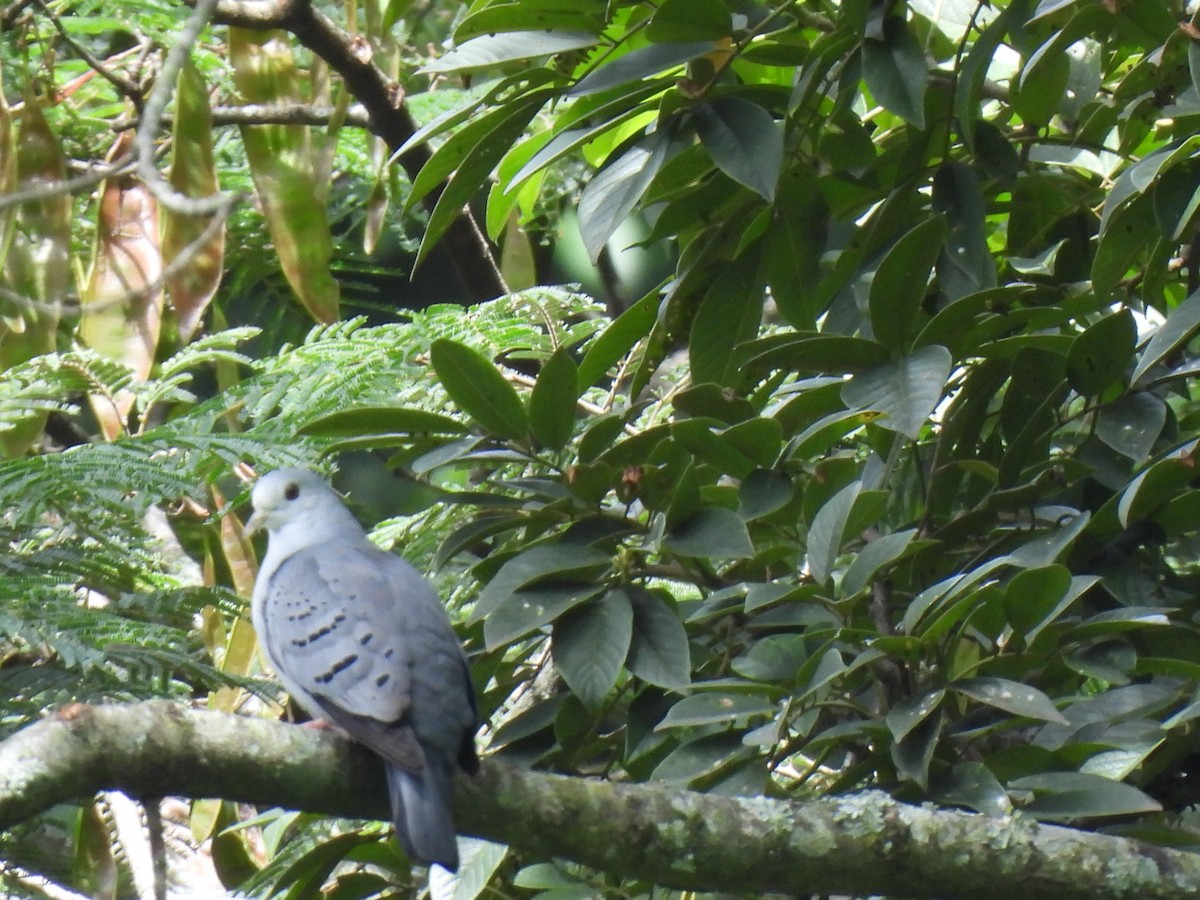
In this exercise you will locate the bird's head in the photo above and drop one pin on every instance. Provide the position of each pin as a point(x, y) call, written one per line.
point(298, 498)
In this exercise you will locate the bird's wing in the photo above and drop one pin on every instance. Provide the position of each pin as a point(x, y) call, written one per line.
point(335, 632)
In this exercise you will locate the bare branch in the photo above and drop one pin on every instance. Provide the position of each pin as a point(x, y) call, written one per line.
point(384, 103)
point(119, 80)
point(156, 103)
point(860, 844)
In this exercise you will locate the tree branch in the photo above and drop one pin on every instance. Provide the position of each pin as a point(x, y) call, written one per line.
point(388, 114)
point(861, 844)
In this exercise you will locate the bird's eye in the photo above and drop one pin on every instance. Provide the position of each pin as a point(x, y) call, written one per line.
point(292, 491)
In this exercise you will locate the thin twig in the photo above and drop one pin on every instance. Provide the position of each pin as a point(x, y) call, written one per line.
point(156, 103)
point(119, 80)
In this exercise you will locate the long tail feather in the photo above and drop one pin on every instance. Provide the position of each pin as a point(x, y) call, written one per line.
point(421, 812)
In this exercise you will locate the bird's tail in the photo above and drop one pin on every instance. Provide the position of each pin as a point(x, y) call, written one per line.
point(421, 803)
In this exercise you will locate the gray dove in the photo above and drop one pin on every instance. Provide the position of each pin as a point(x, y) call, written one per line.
point(360, 640)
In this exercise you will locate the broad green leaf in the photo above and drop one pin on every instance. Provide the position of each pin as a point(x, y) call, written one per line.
point(874, 556)
point(282, 165)
point(476, 164)
point(797, 239)
point(1048, 546)
point(522, 611)
point(1122, 241)
point(381, 420)
point(1100, 355)
point(590, 643)
point(616, 340)
point(681, 21)
point(1152, 489)
point(912, 711)
point(1031, 595)
point(763, 492)
point(773, 659)
point(827, 532)
point(896, 73)
point(1182, 322)
point(1010, 696)
point(557, 563)
point(193, 174)
point(713, 533)
point(906, 391)
point(552, 401)
point(973, 785)
point(965, 266)
point(529, 15)
point(973, 74)
point(639, 64)
point(659, 652)
point(914, 753)
point(1060, 796)
point(479, 389)
point(1132, 425)
point(899, 284)
point(612, 194)
point(490, 50)
point(744, 141)
point(713, 708)
point(830, 353)
point(479, 862)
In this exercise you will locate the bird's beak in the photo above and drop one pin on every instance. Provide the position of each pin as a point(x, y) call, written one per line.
point(253, 525)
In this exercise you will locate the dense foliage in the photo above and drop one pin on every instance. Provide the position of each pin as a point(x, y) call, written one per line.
point(889, 482)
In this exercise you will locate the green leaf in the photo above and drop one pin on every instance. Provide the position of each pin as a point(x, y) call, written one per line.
point(1182, 322)
point(479, 389)
point(1060, 796)
point(529, 15)
point(1100, 355)
point(713, 708)
point(827, 532)
point(558, 563)
point(763, 492)
point(490, 50)
point(899, 284)
point(906, 391)
point(965, 265)
point(552, 401)
point(590, 643)
point(612, 194)
point(829, 353)
point(1132, 425)
point(616, 340)
point(638, 64)
point(913, 755)
point(477, 165)
point(873, 557)
point(1032, 594)
point(522, 611)
point(659, 653)
point(744, 141)
point(1126, 235)
point(912, 711)
point(713, 533)
point(381, 420)
point(1010, 696)
point(680, 21)
point(896, 72)
point(972, 784)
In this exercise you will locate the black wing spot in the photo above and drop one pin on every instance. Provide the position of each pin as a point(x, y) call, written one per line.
point(341, 666)
point(366, 639)
point(382, 680)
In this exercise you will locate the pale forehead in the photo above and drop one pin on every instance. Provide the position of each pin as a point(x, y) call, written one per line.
point(273, 485)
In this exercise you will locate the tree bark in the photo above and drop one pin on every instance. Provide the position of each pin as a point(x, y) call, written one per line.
point(860, 844)
point(387, 113)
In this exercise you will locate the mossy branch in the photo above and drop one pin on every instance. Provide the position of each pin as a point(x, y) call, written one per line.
point(861, 844)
